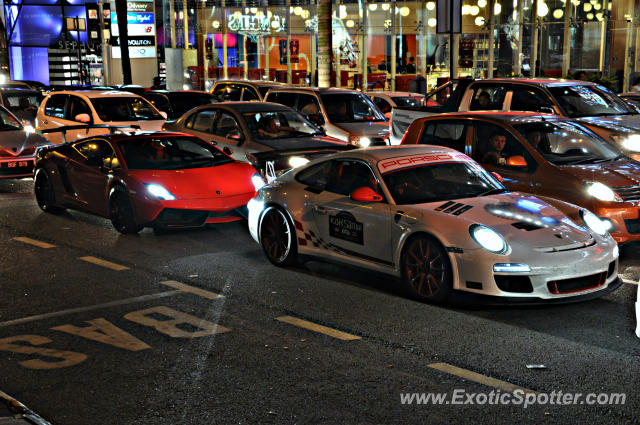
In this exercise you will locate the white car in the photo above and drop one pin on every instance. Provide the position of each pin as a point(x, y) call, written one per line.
point(435, 218)
point(386, 101)
point(93, 107)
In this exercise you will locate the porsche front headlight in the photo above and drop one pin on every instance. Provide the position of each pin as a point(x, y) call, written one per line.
point(632, 143)
point(487, 238)
point(594, 223)
point(602, 192)
point(363, 142)
point(257, 181)
point(297, 161)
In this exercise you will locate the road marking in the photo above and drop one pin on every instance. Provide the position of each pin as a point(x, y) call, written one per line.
point(88, 308)
point(630, 282)
point(318, 328)
point(192, 289)
point(34, 242)
point(478, 378)
point(104, 263)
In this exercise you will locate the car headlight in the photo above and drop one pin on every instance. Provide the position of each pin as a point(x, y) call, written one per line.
point(632, 143)
point(160, 192)
point(297, 161)
point(363, 142)
point(257, 181)
point(602, 192)
point(488, 239)
point(594, 223)
point(616, 251)
point(29, 129)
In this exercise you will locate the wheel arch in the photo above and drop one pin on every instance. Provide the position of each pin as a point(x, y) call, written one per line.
point(275, 204)
point(444, 243)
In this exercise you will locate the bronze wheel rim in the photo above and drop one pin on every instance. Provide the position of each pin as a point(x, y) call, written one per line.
point(276, 236)
point(425, 268)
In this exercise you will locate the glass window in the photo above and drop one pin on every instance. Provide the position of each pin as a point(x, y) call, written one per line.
point(94, 150)
point(160, 101)
point(183, 102)
point(55, 106)
point(531, 100)
point(316, 176)
point(226, 125)
point(283, 98)
point(442, 100)
point(7, 122)
point(351, 175)
point(170, 153)
point(203, 121)
point(382, 104)
point(22, 102)
point(350, 107)
point(493, 145)
point(408, 101)
point(448, 134)
point(77, 106)
point(488, 98)
point(308, 104)
point(124, 109)
point(250, 94)
point(228, 92)
point(589, 101)
point(279, 125)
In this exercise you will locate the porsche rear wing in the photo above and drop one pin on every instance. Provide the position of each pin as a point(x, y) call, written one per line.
point(273, 163)
point(112, 129)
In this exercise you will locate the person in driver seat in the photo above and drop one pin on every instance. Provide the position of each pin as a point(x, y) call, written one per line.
point(495, 155)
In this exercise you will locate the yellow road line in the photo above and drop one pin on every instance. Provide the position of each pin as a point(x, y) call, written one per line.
point(478, 378)
point(34, 242)
point(192, 289)
point(630, 282)
point(104, 263)
point(317, 328)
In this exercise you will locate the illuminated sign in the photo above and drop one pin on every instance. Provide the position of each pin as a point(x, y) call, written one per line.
point(136, 29)
point(134, 18)
point(239, 23)
point(141, 41)
point(135, 52)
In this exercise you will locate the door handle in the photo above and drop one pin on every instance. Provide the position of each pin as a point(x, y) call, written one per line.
point(320, 210)
point(45, 122)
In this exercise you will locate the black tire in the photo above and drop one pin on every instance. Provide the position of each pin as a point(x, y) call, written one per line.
point(45, 194)
point(121, 212)
point(278, 237)
point(426, 269)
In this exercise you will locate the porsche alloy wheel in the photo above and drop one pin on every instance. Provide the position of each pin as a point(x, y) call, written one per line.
point(121, 212)
point(426, 269)
point(277, 238)
point(45, 195)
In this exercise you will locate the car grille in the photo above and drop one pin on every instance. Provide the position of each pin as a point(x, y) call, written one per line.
point(519, 284)
point(628, 193)
point(171, 217)
point(567, 286)
point(633, 225)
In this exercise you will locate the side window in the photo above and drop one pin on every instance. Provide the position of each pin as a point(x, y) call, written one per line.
point(188, 122)
point(94, 150)
point(250, 94)
point(283, 98)
point(55, 106)
point(227, 126)
point(351, 175)
point(488, 98)
point(382, 104)
point(530, 100)
point(316, 176)
point(308, 105)
point(159, 101)
point(226, 91)
point(440, 97)
point(77, 106)
point(494, 145)
point(449, 134)
point(203, 121)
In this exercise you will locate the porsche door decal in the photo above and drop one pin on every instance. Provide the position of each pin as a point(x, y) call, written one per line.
point(345, 226)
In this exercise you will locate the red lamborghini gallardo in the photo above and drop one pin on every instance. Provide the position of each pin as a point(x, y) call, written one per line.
point(162, 180)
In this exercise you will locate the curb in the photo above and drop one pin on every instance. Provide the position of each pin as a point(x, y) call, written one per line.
point(22, 414)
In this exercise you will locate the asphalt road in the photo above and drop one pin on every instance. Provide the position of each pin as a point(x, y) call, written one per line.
point(196, 327)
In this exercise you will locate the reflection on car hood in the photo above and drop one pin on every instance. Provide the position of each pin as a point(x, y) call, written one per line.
point(301, 142)
point(621, 123)
point(152, 125)
point(366, 128)
point(17, 141)
point(517, 217)
point(200, 183)
point(623, 172)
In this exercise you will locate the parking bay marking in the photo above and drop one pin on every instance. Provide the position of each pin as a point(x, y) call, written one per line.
point(192, 289)
point(630, 282)
point(34, 242)
point(104, 263)
point(478, 378)
point(318, 328)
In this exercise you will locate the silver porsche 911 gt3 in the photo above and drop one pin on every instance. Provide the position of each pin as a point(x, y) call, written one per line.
point(435, 218)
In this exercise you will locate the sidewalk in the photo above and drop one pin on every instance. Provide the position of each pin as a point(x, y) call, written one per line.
point(12, 412)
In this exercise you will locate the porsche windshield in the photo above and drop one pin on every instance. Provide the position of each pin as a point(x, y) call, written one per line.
point(350, 107)
point(566, 143)
point(124, 109)
point(170, 153)
point(589, 101)
point(440, 182)
point(269, 125)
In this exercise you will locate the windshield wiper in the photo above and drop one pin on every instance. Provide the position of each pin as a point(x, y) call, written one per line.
point(610, 159)
point(494, 191)
point(590, 160)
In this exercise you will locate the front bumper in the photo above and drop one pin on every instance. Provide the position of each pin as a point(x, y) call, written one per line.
point(625, 220)
point(16, 167)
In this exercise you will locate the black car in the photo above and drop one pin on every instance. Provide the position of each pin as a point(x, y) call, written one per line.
point(176, 103)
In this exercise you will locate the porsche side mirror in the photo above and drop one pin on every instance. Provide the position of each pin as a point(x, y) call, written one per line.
point(497, 176)
point(517, 161)
point(164, 114)
point(227, 150)
point(365, 194)
point(84, 118)
point(547, 110)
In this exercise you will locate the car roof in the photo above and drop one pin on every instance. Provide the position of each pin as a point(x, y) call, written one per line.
point(96, 93)
point(379, 153)
point(243, 107)
point(119, 137)
point(537, 81)
point(255, 82)
point(393, 93)
point(507, 117)
point(319, 90)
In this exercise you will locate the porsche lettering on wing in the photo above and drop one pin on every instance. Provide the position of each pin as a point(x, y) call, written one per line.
point(438, 221)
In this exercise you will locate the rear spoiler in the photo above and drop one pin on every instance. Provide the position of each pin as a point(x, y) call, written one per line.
point(112, 129)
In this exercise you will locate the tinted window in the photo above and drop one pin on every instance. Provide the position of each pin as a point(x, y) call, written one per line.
point(160, 101)
point(279, 125)
point(382, 104)
point(226, 92)
point(308, 105)
point(408, 101)
point(94, 150)
point(493, 145)
point(23, 102)
point(316, 176)
point(283, 98)
point(203, 121)
point(7, 122)
point(351, 175)
point(488, 98)
point(77, 106)
point(55, 106)
point(170, 153)
point(226, 125)
point(350, 107)
point(532, 100)
point(183, 102)
point(584, 101)
point(250, 94)
point(124, 109)
point(449, 134)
